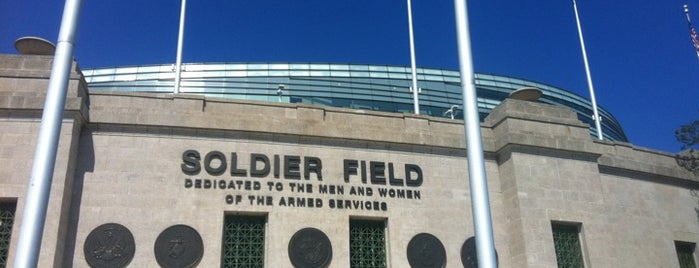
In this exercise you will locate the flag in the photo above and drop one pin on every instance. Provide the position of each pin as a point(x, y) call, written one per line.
point(695, 41)
point(692, 32)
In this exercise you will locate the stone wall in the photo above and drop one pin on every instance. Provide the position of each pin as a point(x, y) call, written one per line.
point(121, 161)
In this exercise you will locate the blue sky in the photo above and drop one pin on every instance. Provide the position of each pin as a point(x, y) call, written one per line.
point(643, 66)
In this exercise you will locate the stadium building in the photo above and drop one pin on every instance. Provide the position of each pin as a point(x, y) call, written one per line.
point(324, 165)
point(366, 87)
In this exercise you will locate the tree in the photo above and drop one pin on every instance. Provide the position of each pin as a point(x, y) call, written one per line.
point(688, 158)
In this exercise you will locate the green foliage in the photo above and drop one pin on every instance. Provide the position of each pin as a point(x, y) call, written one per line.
point(688, 135)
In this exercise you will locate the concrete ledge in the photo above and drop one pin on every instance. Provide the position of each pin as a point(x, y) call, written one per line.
point(532, 111)
point(195, 111)
point(30, 66)
point(526, 123)
point(24, 80)
point(624, 156)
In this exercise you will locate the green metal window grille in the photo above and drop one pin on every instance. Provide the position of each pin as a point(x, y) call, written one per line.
point(367, 244)
point(7, 219)
point(685, 254)
point(566, 239)
point(243, 242)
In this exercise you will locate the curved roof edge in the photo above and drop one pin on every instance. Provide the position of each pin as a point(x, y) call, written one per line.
point(361, 86)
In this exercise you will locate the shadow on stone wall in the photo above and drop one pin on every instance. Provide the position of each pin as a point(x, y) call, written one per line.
point(86, 163)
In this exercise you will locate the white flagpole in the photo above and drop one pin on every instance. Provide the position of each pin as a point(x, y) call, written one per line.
point(589, 77)
point(36, 202)
point(480, 201)
point(414, 89)
point(180, 37)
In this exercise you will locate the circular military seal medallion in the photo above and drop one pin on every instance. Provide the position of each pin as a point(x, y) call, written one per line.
point(469, 256)
point(179, 246)
point(426, 251)
point(109, 245)
point(310, 248)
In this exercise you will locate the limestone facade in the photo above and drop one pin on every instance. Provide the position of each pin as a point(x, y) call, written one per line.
point(123, 157)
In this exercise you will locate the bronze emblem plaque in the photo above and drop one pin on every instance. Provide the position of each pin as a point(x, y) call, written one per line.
point(469, 257)
point(310, 248)
point(426, 251)
point(109, 245)
point(179, 246)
